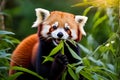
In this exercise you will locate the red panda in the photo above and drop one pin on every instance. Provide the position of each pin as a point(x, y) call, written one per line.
point(52, 27)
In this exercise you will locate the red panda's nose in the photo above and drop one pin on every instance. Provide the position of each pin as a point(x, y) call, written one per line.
point(60, 34)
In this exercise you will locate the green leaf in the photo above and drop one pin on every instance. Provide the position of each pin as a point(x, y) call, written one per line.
point(99, 21)
point(6, 32)
point(112, 74)
point(72, 74)
point(77, 63)
point(28, 71)
point(62, 51)
point(97, 62)
point(14, 76)
point(86, 74)
point(56, 49)
point(73, 42)
point(8, 41)
point(73, 53)
point(87, 51)
point(82, 4)
point(100, 77)
point(86, 62)
point(47, 58)
point(3, 54)
point(97, 14)
point(87, 10)
point(13, 40)
point(64, 75)
point(79, 68)
point(111, 67)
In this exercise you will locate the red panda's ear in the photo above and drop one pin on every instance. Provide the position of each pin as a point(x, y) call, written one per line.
point(42, 15)
point(81, 20)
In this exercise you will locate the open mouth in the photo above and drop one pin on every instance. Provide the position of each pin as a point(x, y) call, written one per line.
point(56, 41)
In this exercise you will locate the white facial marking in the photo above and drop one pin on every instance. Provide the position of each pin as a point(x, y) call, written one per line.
point(45, 30)
point(66, 25)
point(74, 34)
point(55, 24)
point(55, 32)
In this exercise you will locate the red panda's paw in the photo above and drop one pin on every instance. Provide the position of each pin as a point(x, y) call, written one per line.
point(58, 66)
point(61, 59)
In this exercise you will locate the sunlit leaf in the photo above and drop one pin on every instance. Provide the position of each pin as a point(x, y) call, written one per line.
point(82, 4)
point(97, 15)
point(86, 61)
point(87, 10)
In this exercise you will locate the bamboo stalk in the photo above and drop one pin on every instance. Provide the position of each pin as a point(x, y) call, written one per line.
point(2, 5)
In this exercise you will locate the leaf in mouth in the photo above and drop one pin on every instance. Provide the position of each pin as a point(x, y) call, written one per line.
point(54, 51)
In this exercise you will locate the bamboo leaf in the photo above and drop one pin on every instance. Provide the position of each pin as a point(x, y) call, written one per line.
point(87, 51)
point(47, 58)
point(72, 74)
point(64, 75)
point(73, 53)
point(57, 48)
point(87, 10)
point(6, 32)
point(96, 16)
point(86, 74)
point(99, 21)
point(86, 62)
point(14, 76)
point(79, 68)
point(54, 51)
point(82, 4)
point(28, 71)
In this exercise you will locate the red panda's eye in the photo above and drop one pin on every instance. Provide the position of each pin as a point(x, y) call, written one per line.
point(54, 27)
point(66, 28)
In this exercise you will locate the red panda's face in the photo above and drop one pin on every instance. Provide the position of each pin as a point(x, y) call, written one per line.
point(59, 25)
point(57, 32)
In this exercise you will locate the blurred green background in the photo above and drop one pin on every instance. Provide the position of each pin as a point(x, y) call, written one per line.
point(100, 48)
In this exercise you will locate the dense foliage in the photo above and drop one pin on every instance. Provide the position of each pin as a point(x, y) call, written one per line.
point(100, 54)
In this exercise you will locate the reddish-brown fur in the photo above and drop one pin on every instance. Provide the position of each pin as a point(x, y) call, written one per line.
point(24, 52)
point(62, 18)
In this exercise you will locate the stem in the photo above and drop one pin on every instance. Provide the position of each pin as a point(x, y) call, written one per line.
point(2, 5)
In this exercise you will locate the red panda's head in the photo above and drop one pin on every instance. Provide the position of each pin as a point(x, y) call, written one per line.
point(59, 25)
